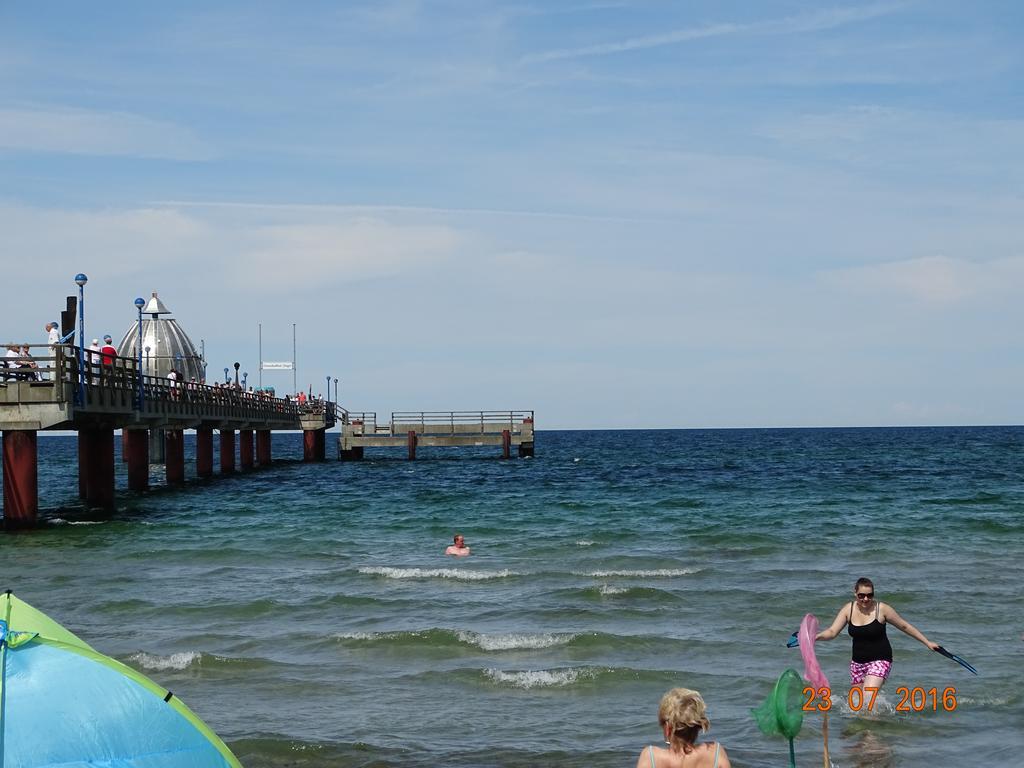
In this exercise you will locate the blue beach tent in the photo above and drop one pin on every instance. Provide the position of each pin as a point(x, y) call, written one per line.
point(64, 705)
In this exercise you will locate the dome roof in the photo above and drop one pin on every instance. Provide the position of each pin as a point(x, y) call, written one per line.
point(169, 345)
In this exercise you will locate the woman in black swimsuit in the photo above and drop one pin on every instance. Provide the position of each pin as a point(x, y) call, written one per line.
point(872, 654)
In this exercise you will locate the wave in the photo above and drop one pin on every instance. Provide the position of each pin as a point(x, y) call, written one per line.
point(183, 660)
point(449, 638)
point(619, 592)
point(460, 574)
point(437, 639)
point(639, 573)
point(566, 677)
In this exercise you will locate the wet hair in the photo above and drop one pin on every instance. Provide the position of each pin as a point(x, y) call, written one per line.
point(456, 537)
point(863, 581)
point(685, 712)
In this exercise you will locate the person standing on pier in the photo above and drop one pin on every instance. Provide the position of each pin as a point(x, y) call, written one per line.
point(53, 339)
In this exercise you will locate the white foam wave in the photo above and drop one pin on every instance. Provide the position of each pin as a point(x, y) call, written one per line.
point(539, 678)
point(437, 573)
point(585, 543)
point(86, 522)
point(514, 640)
point(659, 572)
point(605, 589)
point(181, 660)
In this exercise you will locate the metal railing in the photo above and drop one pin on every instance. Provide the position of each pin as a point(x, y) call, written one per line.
point(437, 422)
point(111, 384)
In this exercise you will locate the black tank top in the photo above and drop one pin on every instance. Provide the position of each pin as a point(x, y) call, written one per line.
point(869, 640)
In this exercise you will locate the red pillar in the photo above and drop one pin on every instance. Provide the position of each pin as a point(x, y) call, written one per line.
point(138, 459)
point(506, 444)
point(21, 480)
point(309, 445)
point(263, 447)
point(411, 440)
point(99, 466)
point(245, 448)
point(227, 451)
point(175, 456)
point(124, 445)
point(204, 451)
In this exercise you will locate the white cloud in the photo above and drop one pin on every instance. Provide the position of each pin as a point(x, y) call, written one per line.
point(807, 22)
point(932, 279)
point(87, 132)
point(343, 252)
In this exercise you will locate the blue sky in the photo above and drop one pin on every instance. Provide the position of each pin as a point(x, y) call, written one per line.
point(620, 214)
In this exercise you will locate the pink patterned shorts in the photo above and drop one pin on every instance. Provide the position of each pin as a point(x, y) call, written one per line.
point(877, 668)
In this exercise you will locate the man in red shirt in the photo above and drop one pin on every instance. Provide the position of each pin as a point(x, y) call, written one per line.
point(108, 353)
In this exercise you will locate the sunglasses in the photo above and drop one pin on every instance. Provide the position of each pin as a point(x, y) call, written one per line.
point(865, 595)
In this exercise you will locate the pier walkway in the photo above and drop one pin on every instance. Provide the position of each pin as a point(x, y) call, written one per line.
point(47, 389)
point(447, 429)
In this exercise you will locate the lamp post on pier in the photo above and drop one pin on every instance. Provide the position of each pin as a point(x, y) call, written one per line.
point(237, 366)
point(226, 377)
point(80, 281)
point(335, 391)
point(139, 304)
point(245, 379)
point(327, 394)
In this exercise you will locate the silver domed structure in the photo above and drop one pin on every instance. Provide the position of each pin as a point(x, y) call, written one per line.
point(164, 344)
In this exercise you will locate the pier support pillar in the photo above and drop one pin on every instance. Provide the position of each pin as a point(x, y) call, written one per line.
point(175, 444)
point(525, 449)
point(227, 451)
point(138, 459)
point(411, 440)
point(351, 454)
point(157, 446)
point(21, 477)
point(313, 445)
point(96, 447)
point(245, 448)
point(263, 447)
point(506, 444)
point(124, 446)
point(204, 452)
point(83, 464)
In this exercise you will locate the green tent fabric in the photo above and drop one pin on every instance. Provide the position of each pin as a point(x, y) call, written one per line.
point(781, 714)
point(62, 703)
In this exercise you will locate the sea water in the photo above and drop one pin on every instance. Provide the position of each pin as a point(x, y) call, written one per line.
point(307, 613)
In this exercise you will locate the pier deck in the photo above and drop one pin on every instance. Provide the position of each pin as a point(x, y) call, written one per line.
point(444, 429)
point(57, 391)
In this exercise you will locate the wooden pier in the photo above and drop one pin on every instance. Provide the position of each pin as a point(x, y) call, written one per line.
point(446, 429)
point(52, 391)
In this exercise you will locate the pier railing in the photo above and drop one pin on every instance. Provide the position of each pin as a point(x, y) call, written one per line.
point(112, 387)
point(457, 422)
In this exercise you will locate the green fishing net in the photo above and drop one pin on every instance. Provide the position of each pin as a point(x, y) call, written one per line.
point(781, 714)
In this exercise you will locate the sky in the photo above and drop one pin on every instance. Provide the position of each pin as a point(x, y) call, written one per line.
point(618, 214)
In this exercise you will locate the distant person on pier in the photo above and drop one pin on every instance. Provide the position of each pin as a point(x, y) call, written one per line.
point(30, 369)
point(108, 353)
point(458, 548)
point(53, 339)
point(93, 359)
point(10, 361)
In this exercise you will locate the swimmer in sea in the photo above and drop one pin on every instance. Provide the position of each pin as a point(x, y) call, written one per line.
point(867, 617)
point(459, 548)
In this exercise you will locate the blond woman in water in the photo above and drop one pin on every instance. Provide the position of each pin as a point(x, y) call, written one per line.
point(682, 716)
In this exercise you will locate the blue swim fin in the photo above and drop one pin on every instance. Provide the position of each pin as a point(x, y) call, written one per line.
point(957, 659)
